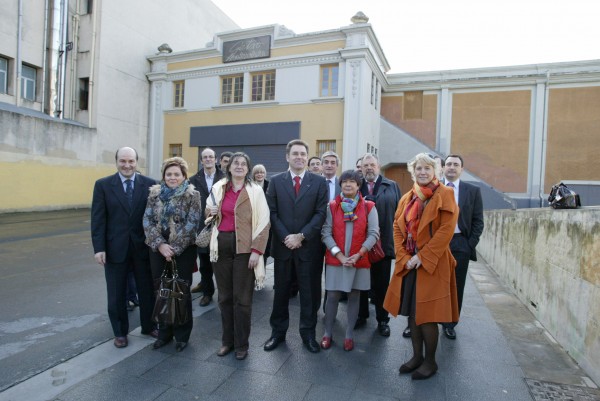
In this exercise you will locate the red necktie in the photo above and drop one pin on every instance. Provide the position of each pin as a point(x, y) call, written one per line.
point(297, 184)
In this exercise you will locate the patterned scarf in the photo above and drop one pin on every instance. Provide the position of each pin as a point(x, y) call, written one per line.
point(169, 196)
point(414, 211)
point(348, 205)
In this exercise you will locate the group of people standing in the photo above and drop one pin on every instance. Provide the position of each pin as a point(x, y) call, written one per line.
point(307, 219)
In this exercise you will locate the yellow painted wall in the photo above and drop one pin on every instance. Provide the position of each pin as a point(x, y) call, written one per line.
point(423, 128)
point(276, 52)
point(198, 63)
point(573, 135)
point(47, 186)
point(318, 122)
point(491, 131)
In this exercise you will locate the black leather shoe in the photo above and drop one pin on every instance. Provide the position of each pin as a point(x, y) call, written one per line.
point(384, 329)
point(241, 355)
point(360, 322)
point(151, 333)
point(450, 333)
point(273, 343)
point(160, 343)
point(180, 346)
point(406, 333)
point(205, 300)
point(311, 345)
point(120, 342)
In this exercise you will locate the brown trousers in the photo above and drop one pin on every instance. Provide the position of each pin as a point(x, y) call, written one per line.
point(235, 283)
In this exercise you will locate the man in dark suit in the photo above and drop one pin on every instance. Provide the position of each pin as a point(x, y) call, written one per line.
point(386, 195)
point(203, 180)
point(297, 200)
point(329, 164)
point(468, 229)
point(118, 238)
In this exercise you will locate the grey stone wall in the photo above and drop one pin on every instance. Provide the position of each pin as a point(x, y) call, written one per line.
point(551, 259)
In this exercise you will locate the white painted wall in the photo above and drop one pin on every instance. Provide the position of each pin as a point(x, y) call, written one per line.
point(200, 93)
point(297, 84)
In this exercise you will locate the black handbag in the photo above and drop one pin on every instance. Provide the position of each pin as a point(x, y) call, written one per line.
point(563, 197)
point(172, 298)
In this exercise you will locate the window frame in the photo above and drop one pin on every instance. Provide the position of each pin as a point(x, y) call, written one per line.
point(26, 82)
point(175, 150)
point(266, 85)
point(333, 75)
point(84, 93)
point(178, 94)
point(4, 82)
point(235, 89)
point(325, 145)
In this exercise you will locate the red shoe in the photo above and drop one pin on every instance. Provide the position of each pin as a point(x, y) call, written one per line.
point(326, 342)
point(348, 344)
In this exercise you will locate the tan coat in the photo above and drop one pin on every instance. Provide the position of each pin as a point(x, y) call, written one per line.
point(436, 282)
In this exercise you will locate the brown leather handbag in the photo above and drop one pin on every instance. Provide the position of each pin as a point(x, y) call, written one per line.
point(172, 298)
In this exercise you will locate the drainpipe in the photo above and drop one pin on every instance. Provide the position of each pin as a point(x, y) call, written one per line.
point(44, 51)
point(74, 77)
point(92, 63)
point(63, 60)
point(19, 68)
point(544, 139)
point(53, 54)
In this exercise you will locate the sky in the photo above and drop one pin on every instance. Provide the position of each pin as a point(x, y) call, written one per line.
point(431, 35)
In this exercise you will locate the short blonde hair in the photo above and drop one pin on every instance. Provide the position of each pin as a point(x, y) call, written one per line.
point(257, 168)
point(427, 159)
point(175, 161)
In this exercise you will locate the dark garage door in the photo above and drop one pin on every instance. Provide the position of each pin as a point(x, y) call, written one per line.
point(264, 143)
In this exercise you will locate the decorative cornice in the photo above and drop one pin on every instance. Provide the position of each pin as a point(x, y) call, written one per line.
point(250, 66)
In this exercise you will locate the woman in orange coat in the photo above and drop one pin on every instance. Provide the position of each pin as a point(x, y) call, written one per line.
point(423, 286)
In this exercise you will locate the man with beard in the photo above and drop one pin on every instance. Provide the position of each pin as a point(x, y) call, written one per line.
point(386, 195)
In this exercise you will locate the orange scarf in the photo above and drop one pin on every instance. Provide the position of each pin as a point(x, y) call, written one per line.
point(414, 211)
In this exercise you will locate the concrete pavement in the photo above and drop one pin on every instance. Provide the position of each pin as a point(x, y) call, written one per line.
point(501, 353)
point(492, 359)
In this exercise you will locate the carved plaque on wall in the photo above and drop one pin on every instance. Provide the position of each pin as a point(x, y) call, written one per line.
point(247, 49)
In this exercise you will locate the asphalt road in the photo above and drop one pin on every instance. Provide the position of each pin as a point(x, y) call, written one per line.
point(52, 292)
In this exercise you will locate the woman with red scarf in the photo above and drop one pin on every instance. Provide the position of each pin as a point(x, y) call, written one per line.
point(423, 286)
point(350, 231)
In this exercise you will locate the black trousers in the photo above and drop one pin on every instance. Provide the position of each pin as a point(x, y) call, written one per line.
point(185, 268)
point(308, 274)
point(116, 289)
point(236, 287)
point(459, 246)
point(207, 285)
point(380, 280)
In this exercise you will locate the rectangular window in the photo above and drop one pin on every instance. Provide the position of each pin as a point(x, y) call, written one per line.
point(232, 89)
point(3, 75)
point(87, 6)
point(84, 91)
point(178, 93)
point(329, 80)
point(175, 150)
point(325, 146)
point(28, 79)
point(263, 86)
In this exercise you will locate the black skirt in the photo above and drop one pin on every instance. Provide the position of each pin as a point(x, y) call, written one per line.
point(408, 296)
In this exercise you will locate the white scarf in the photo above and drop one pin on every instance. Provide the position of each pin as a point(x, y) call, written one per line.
point(260, 219)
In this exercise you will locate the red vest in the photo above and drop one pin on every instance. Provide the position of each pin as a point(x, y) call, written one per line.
point(359, 233)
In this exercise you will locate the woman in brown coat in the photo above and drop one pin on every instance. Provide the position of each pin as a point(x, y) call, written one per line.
point(423, 286)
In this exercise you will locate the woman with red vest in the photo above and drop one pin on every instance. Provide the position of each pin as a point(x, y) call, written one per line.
point(350, 231)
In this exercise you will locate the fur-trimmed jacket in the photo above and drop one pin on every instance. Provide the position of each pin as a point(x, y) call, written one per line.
point(183, 225)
